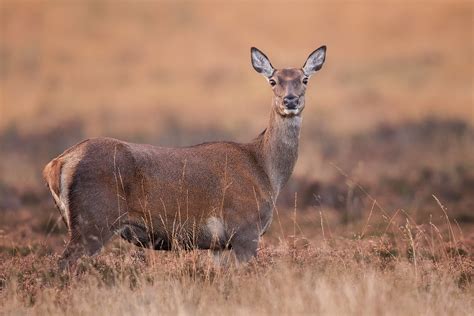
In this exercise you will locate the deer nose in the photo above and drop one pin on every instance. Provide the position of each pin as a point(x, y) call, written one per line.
point(291, 102)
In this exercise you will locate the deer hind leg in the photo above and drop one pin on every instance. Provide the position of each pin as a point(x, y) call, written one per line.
point(140, 236)
point(84, 241)
point(136, 234)
point(92, 218)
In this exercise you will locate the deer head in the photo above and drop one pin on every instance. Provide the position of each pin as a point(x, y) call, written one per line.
point(288, 84)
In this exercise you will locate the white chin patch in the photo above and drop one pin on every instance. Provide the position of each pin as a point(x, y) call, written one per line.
point(291, 112)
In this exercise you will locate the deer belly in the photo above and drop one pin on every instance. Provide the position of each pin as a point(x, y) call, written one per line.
point(214, 234)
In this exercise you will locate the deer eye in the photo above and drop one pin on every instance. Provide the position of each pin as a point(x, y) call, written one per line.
point(305, 80)
point(272, 82)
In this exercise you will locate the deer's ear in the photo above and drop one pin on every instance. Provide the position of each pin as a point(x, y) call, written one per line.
point(315, 61)
point(261, 63)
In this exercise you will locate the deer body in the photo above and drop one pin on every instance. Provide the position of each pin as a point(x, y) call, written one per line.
point(217, 195)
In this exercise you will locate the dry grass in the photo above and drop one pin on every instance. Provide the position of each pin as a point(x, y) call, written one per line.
point(388, 124)
point(410, 269)
point(367, 277)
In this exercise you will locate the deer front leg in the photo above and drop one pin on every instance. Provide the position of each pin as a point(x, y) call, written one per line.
point(245, 244)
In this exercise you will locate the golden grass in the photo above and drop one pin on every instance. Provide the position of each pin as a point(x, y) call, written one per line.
point(345, 278)
point(409, 269)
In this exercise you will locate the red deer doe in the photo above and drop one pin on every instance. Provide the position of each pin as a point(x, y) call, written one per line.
point(217, 196)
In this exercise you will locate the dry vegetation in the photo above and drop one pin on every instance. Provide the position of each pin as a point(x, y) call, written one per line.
point(379, 216)
point(339, 277)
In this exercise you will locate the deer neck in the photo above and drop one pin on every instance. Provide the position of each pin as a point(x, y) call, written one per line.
point(279, 148)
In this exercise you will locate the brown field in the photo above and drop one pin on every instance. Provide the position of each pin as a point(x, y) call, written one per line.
point(378, 217)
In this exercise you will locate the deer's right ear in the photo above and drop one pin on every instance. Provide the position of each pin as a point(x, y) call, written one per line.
point(261, 63)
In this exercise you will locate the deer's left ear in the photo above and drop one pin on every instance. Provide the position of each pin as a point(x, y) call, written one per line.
point(315, 61)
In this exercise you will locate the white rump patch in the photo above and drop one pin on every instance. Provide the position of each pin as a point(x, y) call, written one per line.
point(67, 171)
point(60, 204)
point(64, 196)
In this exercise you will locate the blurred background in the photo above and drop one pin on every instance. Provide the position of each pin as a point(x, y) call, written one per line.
point(388, 122)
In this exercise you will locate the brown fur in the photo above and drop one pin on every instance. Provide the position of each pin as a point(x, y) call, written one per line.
point(51, 175)
point(210, 196)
